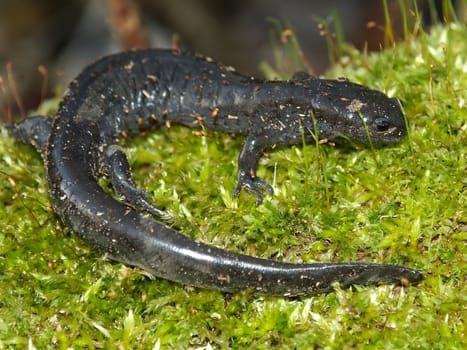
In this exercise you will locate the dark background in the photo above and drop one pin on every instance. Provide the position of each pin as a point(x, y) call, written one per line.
point(64, 36)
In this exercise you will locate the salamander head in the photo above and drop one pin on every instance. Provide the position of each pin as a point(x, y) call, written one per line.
point(357, 113)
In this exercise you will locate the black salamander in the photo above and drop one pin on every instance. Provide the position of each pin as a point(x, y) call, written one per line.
point(128, 93)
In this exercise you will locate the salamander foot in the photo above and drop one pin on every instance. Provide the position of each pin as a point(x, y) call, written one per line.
point(117, 168)
point(253, 185)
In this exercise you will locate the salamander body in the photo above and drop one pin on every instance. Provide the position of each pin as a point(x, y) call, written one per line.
point(125, 94)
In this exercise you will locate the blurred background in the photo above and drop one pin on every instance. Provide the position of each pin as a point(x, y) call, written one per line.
point(47, 42)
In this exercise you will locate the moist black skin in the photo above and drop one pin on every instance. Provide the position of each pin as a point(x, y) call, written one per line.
point(129, 93)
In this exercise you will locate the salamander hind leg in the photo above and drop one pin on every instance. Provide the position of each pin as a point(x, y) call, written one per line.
point(247, 164)
point(34, 130)
point(115, 165)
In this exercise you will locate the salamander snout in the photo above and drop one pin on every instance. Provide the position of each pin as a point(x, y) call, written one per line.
point(385, 120)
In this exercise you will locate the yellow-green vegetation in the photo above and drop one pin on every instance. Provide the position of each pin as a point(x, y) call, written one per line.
point(404, 204)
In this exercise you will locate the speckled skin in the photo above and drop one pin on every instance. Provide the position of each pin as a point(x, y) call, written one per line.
point(125, 94)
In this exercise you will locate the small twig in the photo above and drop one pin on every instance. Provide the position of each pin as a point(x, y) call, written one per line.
point(45, 79)
point(127, 25)
point(6, 114)
point(14, 91)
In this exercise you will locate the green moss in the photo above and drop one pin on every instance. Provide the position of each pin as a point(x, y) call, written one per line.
point(404, 204)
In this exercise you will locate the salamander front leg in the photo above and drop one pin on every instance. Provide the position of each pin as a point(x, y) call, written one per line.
point(247, 164)
point(115, 165)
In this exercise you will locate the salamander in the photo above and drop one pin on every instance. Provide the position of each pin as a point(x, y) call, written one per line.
point(125, 94)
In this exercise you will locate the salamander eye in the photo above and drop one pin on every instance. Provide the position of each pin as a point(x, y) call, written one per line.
point(381, 124)
point(396, 101)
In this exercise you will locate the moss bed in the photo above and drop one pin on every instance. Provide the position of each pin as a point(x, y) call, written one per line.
point(404, 204)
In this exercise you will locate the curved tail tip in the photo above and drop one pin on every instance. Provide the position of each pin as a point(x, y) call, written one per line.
point(412, 277)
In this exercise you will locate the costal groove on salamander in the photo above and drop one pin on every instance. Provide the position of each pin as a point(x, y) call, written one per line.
point(128, 93)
